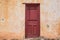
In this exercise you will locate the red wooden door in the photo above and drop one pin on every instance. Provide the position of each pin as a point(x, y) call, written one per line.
point(32, 21)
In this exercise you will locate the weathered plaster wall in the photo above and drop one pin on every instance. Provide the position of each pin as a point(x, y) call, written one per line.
point(12, 18)
point(50, 16)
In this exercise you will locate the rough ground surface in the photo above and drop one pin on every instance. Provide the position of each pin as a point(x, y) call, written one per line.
point(28, 39)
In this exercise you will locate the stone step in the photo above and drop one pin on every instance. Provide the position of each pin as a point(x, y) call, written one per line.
point(38, 38)
point(41, 39)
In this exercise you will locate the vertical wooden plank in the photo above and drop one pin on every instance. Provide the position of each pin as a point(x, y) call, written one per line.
point(32, 26)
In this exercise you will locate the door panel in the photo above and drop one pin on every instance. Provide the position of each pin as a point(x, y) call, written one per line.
point(32, 20)
point(33, 14)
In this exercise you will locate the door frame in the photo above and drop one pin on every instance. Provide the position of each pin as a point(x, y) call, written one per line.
point(25, 11)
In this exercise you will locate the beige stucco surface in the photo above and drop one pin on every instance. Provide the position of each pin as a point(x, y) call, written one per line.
point(12, 18)
point(50, 16)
